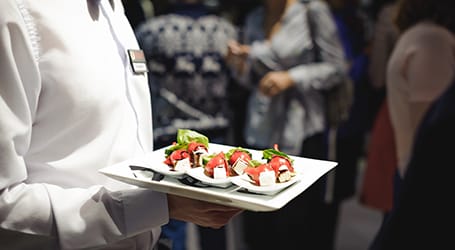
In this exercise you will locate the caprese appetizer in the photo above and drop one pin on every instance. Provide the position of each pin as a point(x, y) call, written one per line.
point(278, 168)
point(238, 159)
point(187, 151)
point(216, 166)
point(281, 163)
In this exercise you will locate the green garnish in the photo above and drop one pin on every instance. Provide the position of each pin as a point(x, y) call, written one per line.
point(267, 154)
point(233, 150)
point(254, 163)
point(184, 137)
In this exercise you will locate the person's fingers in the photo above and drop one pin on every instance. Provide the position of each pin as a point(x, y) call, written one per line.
point(265, 82)
point(234, 47)
point(245, 49)
point(238, 49)
point(274, 83)
point(267, 86)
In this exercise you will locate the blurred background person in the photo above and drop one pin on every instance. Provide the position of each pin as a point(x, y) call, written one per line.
point(384, 38)
point(189, 84)
point(354, 29)
point(139, 11)
point(425, 210)
point(421, 67)
point(277, 60)
point(376, 190)
point(134, 11)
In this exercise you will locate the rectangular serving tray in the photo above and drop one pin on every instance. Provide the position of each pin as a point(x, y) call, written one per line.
point(310, 170)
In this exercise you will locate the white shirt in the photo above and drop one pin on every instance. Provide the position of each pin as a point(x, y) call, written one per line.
point(70, 104)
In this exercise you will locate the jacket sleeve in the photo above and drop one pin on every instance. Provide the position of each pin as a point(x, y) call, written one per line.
point(72, 218)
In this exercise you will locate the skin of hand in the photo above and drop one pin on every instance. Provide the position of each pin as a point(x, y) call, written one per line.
point(275, 82)
point(237, 55)
point(200, 212)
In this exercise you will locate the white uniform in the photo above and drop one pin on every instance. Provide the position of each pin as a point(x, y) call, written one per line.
point(71, 104)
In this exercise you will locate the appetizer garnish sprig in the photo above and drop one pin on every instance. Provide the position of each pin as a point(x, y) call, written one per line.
point(239, 159)
point(277, 162)
point(267, 154)
point(184, 137)
point(187, 151)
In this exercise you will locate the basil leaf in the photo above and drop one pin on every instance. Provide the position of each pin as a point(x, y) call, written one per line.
point(185, 136)
point(267, 154)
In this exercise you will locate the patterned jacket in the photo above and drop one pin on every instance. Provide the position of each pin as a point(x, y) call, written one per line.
point(188, 77)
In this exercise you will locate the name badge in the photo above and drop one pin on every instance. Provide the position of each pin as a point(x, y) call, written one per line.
point(137, 60)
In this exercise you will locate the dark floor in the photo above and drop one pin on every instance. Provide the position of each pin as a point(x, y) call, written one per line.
point(358, 225)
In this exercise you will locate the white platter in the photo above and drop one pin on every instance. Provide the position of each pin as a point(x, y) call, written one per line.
point(310, 171)
point(198, 173)
point(245, 182)
point(152, 162)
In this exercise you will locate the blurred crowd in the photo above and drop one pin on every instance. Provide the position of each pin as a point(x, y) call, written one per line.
point(252, 73)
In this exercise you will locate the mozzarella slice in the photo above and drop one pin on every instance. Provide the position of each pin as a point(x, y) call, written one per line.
point(267, 178)
point(182, 165)
point(219, 172)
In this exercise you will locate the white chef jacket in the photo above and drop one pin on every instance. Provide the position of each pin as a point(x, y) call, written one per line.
point(71, 104)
